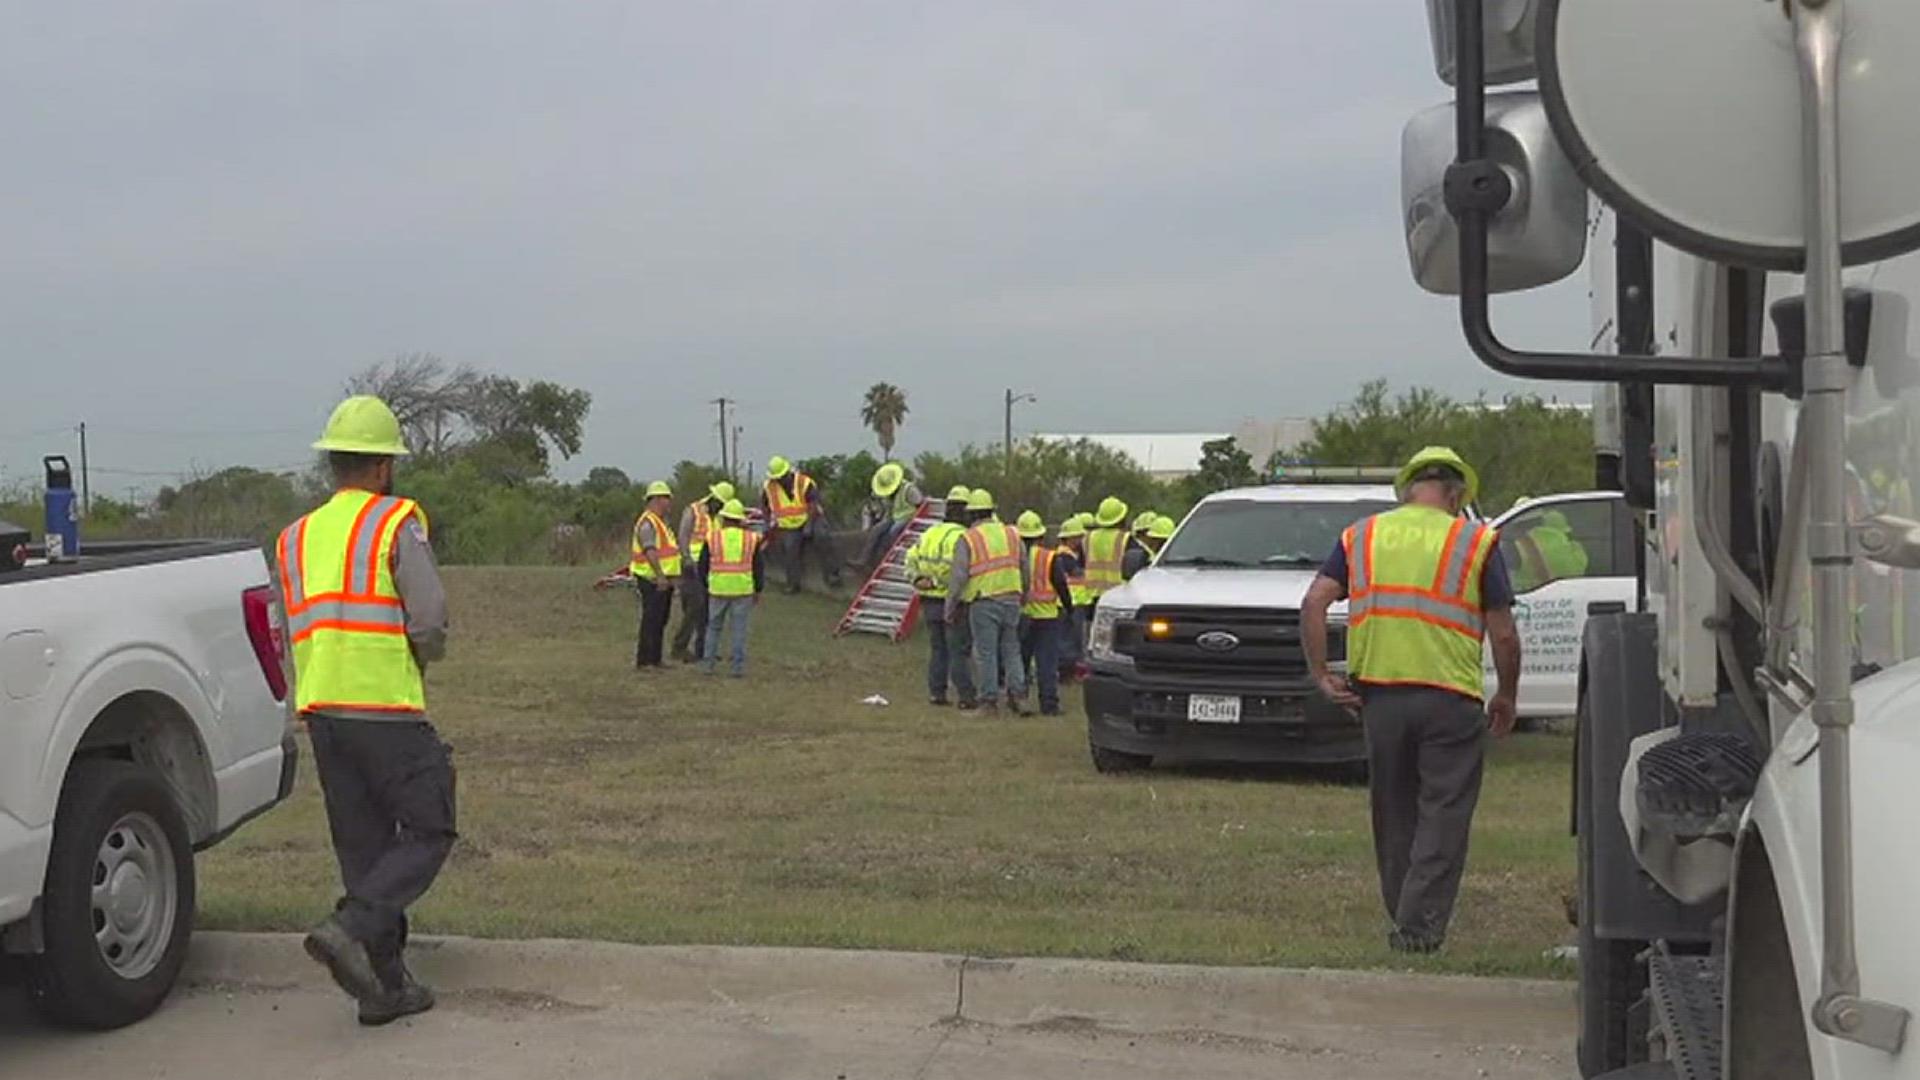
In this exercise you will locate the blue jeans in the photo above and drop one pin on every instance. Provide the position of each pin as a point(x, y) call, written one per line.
point(1040, 641)
point(949, 652)
point(996, 649)
point(728, 612)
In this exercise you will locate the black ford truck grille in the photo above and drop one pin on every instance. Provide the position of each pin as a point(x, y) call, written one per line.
point(1233, 644)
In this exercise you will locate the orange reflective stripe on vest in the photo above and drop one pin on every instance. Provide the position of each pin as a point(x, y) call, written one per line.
point(790, 511)
point(993, 560)
point(345, 620)
point(1043, 601)
point(1413, 598)
point(666, 548)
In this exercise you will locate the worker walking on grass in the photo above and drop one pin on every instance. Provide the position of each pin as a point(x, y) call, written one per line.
point(1425, 586)
point(696, 522)
point(1046, 612)
point(895, 502)
point(366, 613)
point(990, 575)
point(797, 520)
point(949, 640)
point(735, 573)
point(1071, 555)
point(655, 564)
point(1107, 548)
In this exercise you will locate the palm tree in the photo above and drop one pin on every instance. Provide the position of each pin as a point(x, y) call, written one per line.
point(883, 411)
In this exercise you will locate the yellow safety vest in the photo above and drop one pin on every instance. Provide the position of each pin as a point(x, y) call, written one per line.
point(932, 557)
point(1413, 599)
point(1106, 559)
point(702, 525)
point(790, 511)
point(730, 569)
point(343, 611)
point(666, 549)
point(1077, 579)
point(1042, 601)
point(993, 560)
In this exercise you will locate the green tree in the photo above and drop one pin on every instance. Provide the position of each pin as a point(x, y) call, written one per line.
point(1223, 465)
point(883, 411)
point(1521, 447)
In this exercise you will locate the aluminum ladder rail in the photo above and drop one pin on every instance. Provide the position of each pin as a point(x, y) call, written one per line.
point(888, 603)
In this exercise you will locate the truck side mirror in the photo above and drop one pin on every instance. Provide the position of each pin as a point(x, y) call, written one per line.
point(1539, 237)
point(1789, 316)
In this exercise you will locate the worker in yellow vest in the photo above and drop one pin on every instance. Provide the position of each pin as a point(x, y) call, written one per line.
point(1145, 547)
point(696, 522)
point(895, 501)
point(365, 614)
point(1107, 545)
point(1142, 522)
point(1072, 555)
point(990, 576)
point(1047, 611)
point(655, 565)
point(797, 522)
point(734, 571)
point(949, 641)
point(1425, 588)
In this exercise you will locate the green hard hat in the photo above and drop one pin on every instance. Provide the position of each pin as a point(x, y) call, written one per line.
point(980, 499)
point(1073, 527)
point(1161, 529)
point(1438, 455)
point(734, 510)
point(778, 467)
point(1144, 520)
point(960, 493)
point(363, 424)
point(1030, 525)
point(722, 491)
point(659, 489)
point(888, 478)
point(1112, 512)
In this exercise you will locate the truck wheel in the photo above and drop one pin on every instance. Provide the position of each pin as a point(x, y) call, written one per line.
point(1117, 761)
point(1611, 980)
point(118, 906)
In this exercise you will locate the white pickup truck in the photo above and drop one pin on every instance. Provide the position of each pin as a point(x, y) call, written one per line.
point(141, 721)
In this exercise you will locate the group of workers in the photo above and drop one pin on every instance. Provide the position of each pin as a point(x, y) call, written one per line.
point(1005, 608)
point(365, 613)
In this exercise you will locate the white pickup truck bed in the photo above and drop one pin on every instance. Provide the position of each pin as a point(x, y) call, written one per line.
point(143, 720)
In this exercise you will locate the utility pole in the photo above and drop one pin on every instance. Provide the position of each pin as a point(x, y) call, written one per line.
point(1013, 399)
point(725, 466)
point(737, 429)
point(86, 480)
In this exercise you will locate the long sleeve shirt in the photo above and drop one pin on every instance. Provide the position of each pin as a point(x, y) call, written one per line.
point(1064, 564)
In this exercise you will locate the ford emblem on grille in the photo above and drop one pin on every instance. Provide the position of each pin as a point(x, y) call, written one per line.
point(1217, 641)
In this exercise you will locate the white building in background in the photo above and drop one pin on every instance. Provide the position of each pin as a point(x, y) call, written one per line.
point(1172, 455)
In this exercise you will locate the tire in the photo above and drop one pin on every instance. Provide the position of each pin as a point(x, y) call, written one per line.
point(118, 906)
point(1611, 978)
point(1108, 762)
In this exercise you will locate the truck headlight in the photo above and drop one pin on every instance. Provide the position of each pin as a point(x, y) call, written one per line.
point(1100, 639)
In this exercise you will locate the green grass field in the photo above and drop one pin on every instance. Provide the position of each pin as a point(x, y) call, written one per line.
point(777, 810)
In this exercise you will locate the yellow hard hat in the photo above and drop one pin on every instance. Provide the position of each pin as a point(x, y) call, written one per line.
point(1438, 455)
point(659, 488)
point(1112, 512)
point(723, 491)
point(1073, 527)
point(888, 478)
point(1144, 520)
point(1161, 529)
point(980, 499)
point(1030, 526)
point(778, 467)
point(960, 493)
point(734, 510)
point(1085, 518)
point(363, 424)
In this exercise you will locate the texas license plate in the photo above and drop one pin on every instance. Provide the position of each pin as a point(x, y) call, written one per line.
point(1213, 709)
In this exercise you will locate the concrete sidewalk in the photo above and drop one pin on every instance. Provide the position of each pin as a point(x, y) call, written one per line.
point(583, 1009)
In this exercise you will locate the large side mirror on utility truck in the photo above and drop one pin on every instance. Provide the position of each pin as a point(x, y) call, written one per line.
point(1537, 238)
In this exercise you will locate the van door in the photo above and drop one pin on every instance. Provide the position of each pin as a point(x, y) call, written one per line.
point(1564, 554)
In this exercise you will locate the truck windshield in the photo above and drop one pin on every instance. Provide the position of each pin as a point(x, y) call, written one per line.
point(1254, 534)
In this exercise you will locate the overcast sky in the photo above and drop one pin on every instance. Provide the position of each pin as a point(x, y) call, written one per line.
point(1154, 216)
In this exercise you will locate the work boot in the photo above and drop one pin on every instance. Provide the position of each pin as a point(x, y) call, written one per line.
point(969, 706)
point(410, 998)
point(345, 958)
point(1018, 706)
point(940, 701)
point(990, 707)
point(1050, 710)
point(1407, 941)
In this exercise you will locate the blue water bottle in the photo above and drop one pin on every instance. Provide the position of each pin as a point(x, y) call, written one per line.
point(63, 516)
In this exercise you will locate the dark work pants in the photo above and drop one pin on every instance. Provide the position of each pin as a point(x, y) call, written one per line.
point(949, 651)
point(656, 604)
point(795, 544)
point(1040, 644)
point(388, 786)
point(1426, 749)
point(690, 636)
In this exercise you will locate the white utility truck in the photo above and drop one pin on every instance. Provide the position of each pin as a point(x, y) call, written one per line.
point(141, 721)
point(1739, 178)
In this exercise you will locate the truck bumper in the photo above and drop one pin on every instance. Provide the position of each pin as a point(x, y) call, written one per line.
point(1280, 723)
